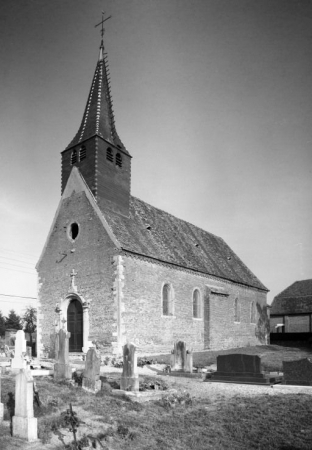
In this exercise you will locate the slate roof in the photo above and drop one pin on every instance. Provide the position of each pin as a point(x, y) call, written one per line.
point(98, 118)
point(297, 298)
point(156, 234)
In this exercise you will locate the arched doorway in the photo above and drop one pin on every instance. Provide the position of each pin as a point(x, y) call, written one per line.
point(75, 326)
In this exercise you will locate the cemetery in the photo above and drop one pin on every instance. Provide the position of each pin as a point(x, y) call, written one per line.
point(158, 402)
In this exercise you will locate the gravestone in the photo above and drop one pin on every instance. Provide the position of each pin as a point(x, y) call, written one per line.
point(189, 362)
point(1, 404)
point(62, 368)
point(298, 372)
point(24, 423)
point(129, 378)
point(18, 362)
point(91, 376)
point(239, 368)
point(180, 358)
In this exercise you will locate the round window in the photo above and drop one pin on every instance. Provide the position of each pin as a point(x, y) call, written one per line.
point(73, 231)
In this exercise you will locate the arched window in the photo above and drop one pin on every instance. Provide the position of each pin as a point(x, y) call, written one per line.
point(253, 313)
point(82, 153)
point(118, 160)
point(196, 304)
point(236, 310)
point(73, 157)
point(109, 154)
point(167, 300)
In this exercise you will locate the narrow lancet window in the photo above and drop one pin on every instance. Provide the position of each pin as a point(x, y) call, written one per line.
point(73, 157)
point(82, 153)
point(253, 313)
point(167, 301)
point(196, 304)
point(109, 154)
point(118, 160)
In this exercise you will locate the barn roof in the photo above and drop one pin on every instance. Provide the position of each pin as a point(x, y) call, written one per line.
point(296, 298)
point(154, 233)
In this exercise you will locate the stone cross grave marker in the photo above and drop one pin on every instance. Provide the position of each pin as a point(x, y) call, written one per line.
point(91, 376)
point(18, 362)
point(1, 404)
point(24, 423)
point(129, 378)
point(298, 372)
point(62, 368)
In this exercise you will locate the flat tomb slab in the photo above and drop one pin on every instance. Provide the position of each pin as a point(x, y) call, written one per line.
point(241, 378)
point(178, 373)
point(143, 396)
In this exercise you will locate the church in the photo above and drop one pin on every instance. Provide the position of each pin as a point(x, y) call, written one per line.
point(115, 269)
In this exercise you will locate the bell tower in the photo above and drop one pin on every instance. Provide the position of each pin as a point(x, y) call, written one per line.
point(97, 150)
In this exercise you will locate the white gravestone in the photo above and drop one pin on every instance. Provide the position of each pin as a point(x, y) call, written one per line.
point(18, 362)
point(1, 404)
point(24, 423)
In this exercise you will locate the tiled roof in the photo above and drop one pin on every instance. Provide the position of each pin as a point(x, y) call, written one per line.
point(297, 298)
point(156, 234)
point(98, 118)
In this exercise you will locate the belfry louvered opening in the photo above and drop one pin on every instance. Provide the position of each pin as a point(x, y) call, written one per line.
point(118, 160)
point(82, 153)
point(109, 154)
point(73, 157)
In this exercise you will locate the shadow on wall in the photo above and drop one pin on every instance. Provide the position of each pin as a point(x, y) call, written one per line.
point(262, 331)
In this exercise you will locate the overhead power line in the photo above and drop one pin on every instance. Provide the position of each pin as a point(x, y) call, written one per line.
point(19, 296)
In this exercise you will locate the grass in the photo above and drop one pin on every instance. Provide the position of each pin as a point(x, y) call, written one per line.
point(266, 421)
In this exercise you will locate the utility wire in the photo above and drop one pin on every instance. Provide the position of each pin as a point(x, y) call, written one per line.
point(14, 270)
point(18, 260)
point(19, 296)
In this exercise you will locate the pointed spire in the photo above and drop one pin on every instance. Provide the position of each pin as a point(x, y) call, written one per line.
point(98, 118)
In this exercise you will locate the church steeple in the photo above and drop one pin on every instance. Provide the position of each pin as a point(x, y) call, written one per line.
point(96, 149)
point(98, 118)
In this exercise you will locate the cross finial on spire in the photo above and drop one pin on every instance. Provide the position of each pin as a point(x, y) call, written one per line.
point(102, 33)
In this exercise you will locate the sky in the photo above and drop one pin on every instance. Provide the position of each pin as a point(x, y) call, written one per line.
point(212, 98)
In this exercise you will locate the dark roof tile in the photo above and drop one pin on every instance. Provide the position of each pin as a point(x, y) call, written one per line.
point(156, 234)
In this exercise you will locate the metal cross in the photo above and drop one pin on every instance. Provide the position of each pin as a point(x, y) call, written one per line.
point(102, 23)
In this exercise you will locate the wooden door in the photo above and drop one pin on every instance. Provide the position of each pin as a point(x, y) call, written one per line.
point(75, 326)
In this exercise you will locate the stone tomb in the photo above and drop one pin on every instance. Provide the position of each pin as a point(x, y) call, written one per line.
point(129, 378)
point(62, 369)
point(181, 359)
point(18, 362)
point(298, 373)
point(91, 376)
point(240, 368)
point(23, 422)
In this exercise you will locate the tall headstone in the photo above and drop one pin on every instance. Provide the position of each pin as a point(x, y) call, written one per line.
point(1, 404)
point(178, 356)
point(298, 372)
point(18, 362)
point(91, 376)
point(24, 423)
point(62, 368)
point(129, 378)
point(189, 362)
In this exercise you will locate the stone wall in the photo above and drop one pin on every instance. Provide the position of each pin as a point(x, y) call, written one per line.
point(152, 332)
point(91, 256)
